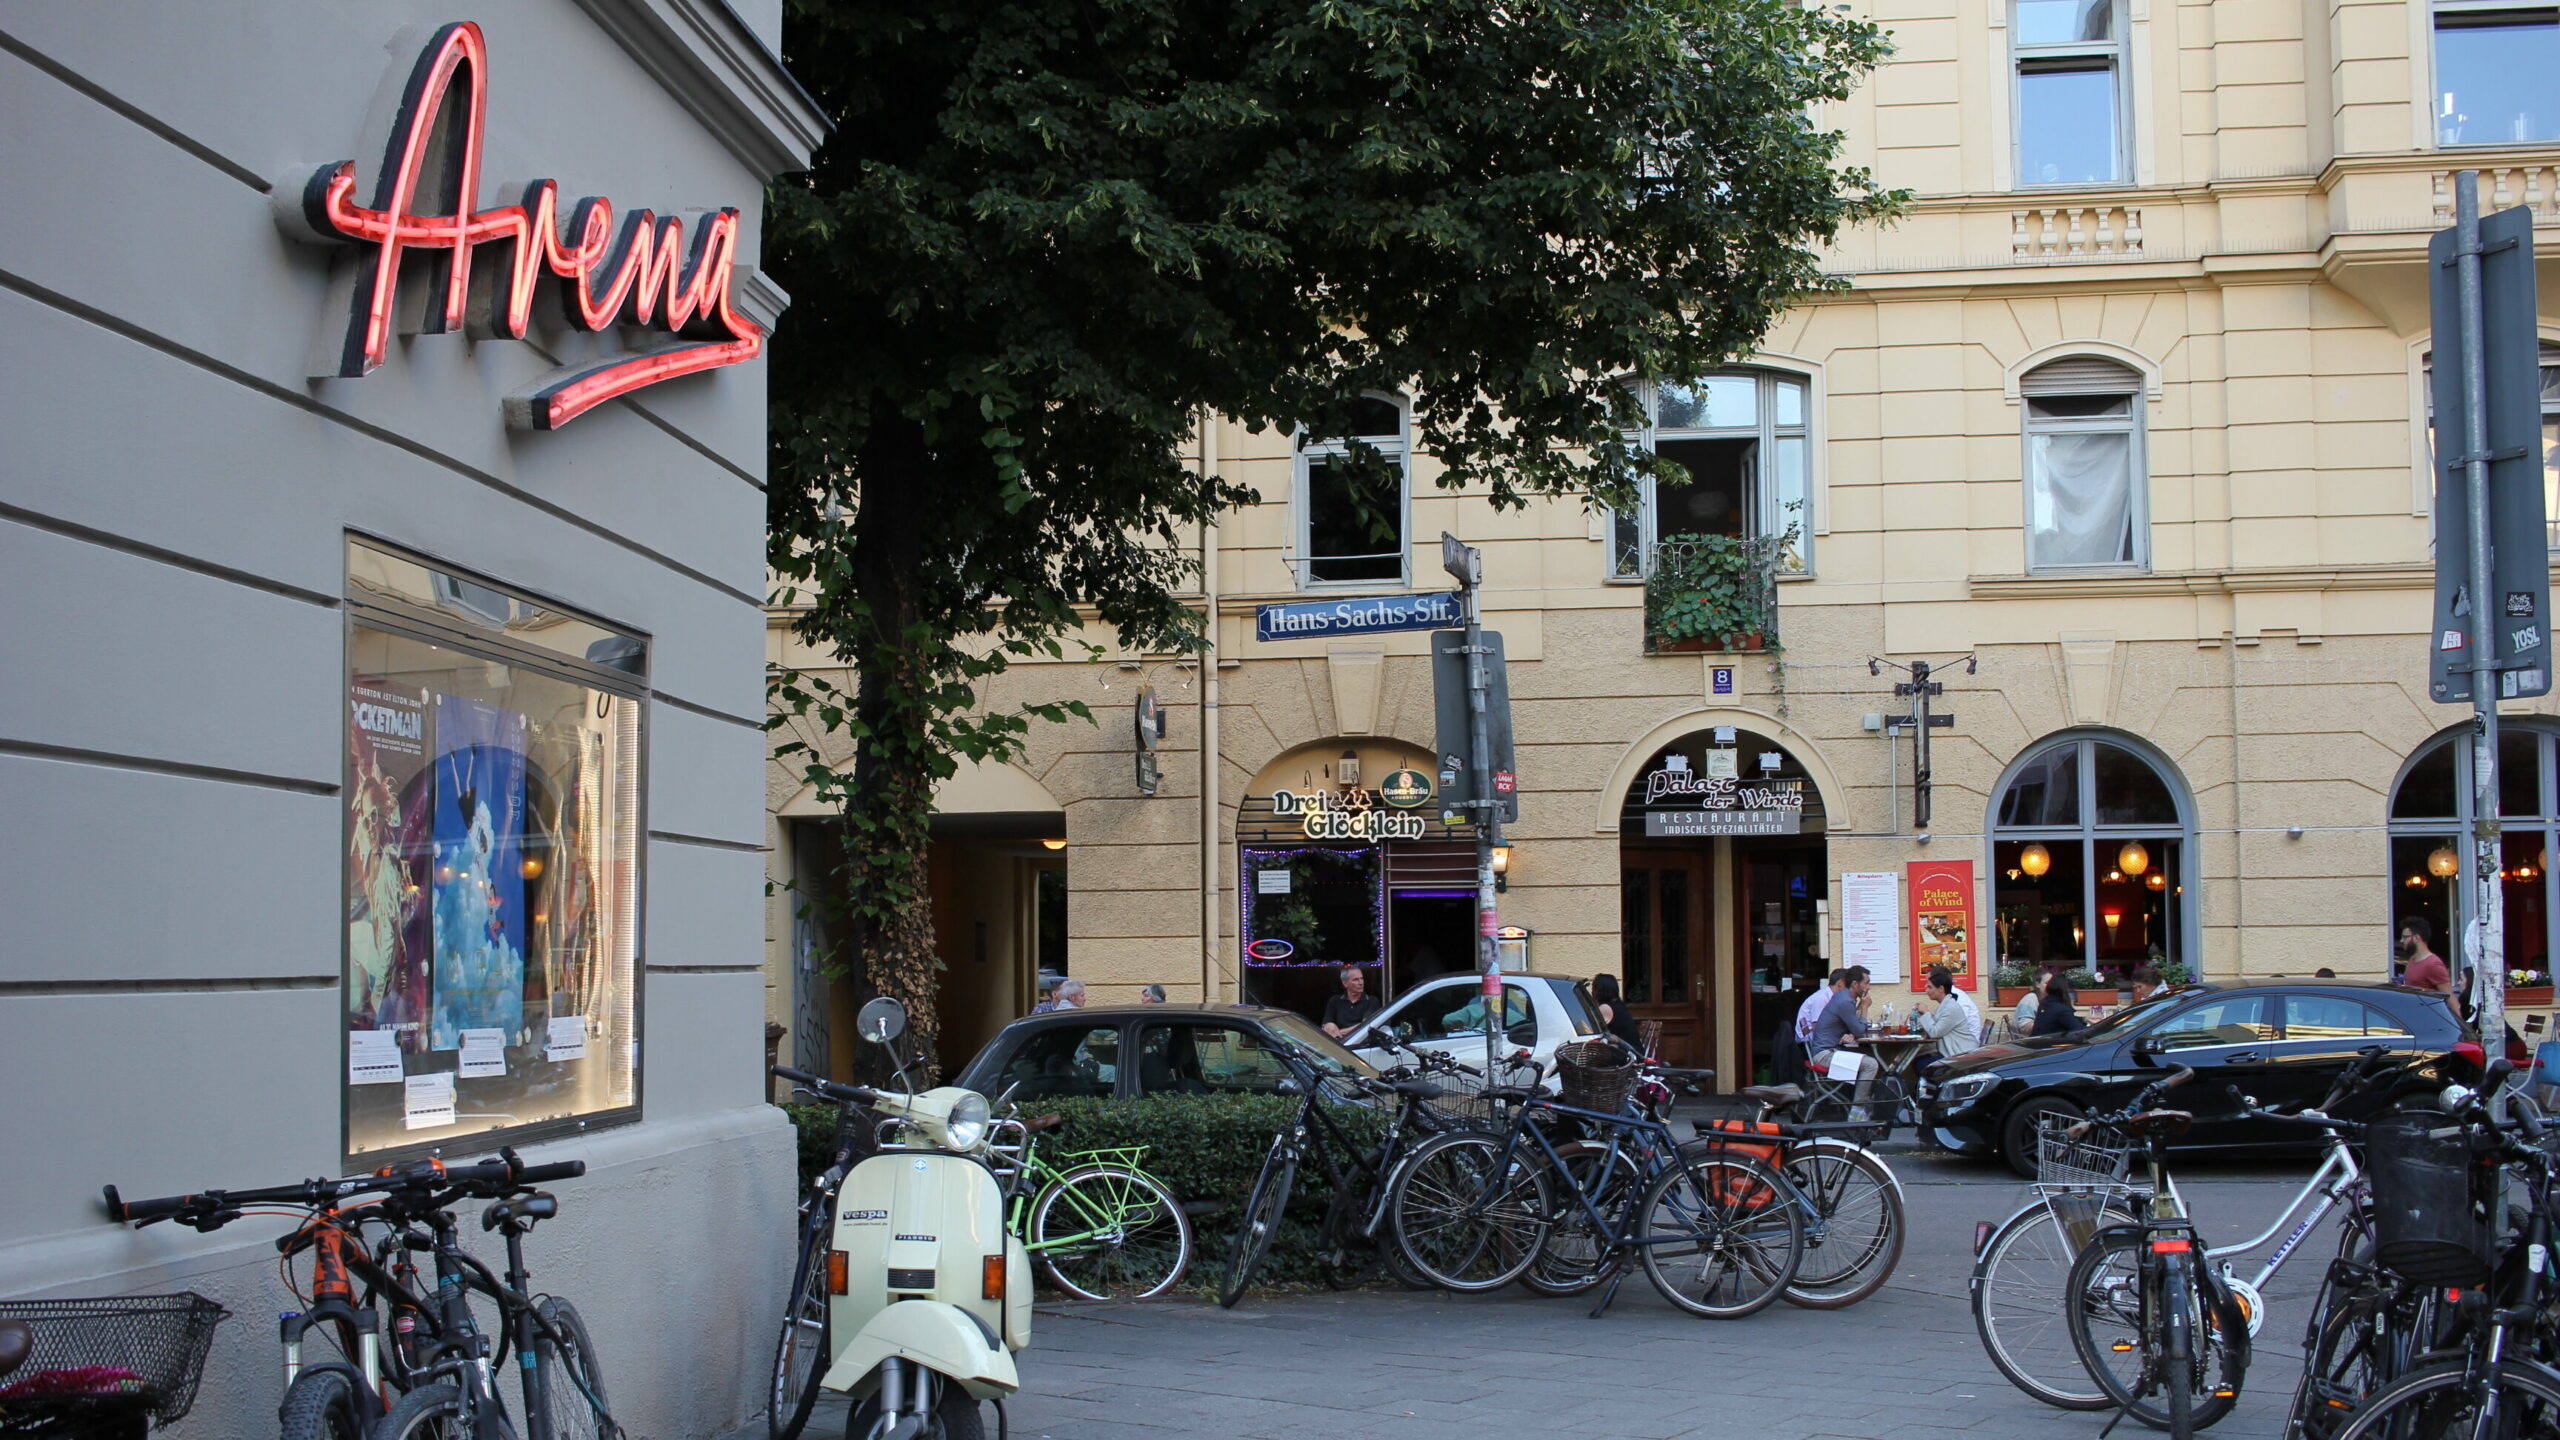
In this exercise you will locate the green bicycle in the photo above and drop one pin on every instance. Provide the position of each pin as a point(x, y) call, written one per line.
point(1099, 1226)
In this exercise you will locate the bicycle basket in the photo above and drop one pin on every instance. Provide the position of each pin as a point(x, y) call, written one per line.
point(1595, 1075)
point(134, 1356)
point(2098, 1158)
point(2427, 1224)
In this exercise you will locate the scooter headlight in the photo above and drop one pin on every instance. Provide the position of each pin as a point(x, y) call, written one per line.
point(967, 1124)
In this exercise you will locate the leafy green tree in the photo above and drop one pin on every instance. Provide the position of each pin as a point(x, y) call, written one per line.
point(1047, 235)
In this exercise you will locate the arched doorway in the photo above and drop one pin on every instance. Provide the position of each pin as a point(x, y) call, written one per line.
point(2092, 855)
point(2431, 812)
point(1723, 887)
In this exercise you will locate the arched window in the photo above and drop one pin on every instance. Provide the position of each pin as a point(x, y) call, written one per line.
point(2431, 812)
point(1744, 436)
point(1352, 517)
point(2087, 479)
point(2092, 846)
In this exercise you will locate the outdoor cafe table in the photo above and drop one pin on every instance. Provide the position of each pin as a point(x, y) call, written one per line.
point(1896, 1050)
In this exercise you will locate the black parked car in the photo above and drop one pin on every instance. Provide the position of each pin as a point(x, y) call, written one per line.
point(2281, 1043)
point(1127, 1051)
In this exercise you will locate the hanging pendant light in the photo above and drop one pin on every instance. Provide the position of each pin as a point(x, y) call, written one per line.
point(2035, 860)
point(2157, 881)
point(2133, 859)
point(2443, 863)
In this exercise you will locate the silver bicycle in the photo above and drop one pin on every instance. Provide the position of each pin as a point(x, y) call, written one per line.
point(2082, 1186)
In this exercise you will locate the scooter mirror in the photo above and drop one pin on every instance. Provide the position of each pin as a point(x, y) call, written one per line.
point(881, 1021)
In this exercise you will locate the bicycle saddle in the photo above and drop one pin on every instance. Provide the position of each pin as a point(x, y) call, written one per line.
point(15, 1341)
point(1418, 1089)
point(519, 1210)
point(2168, 1124)
point(1776, 1097)
point(1043, 1124)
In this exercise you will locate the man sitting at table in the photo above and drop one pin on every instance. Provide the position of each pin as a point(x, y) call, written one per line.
point(1947, 1015)
point(1839, 1026)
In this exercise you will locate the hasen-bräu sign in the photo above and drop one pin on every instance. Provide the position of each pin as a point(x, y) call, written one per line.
point(644, 270)
point(1338, 815)
point(1942, 933)
point(1679, 801)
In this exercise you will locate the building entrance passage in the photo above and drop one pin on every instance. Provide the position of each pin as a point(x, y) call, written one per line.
point(1722, 884)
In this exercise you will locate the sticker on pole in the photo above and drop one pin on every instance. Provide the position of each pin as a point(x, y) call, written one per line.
point(1505, 783)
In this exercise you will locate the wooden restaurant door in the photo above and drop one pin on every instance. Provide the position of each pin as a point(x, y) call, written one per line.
point(1667, 961)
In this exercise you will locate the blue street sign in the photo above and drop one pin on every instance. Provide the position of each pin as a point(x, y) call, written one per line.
point(1357, 615)
point(1723, 679)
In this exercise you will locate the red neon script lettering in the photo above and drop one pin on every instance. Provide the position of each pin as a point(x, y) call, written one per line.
point(646, 270)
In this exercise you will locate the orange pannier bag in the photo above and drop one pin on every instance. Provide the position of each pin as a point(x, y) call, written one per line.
point(1725, 1136)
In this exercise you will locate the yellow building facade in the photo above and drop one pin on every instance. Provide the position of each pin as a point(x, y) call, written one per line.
point(2130, 409)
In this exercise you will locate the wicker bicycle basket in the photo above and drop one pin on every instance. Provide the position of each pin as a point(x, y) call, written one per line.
point(2096, 1159)
point(2427, 1223)
point(1595, 1075)
point(93, 1361)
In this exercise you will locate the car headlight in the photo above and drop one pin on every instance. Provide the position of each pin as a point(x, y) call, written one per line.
point(1964, 1090)
point(967, 1123)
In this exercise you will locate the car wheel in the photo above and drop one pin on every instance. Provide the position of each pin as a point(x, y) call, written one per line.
point(2018, 1132)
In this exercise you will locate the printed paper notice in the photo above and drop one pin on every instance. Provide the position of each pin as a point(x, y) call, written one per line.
point(1844, 1065)
point(430, 1100)
point(1271, 882)
point(373, 1057)
point(1871, 924)
point(484, 1054)
point(568, 1039)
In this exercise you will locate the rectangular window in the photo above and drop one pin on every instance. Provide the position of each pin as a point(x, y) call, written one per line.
point(2550, 434)
point(2084, 490)
point(2069, 63)
point(494, 763)
point(1744, 441)
point(2497, 72)
point(1352, 511)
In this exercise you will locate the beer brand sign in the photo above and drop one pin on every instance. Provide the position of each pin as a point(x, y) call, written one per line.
point(1679, 801)
point(1346, 815)
point(640, 270)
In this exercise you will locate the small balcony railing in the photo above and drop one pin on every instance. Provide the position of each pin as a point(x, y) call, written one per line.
point(1714, 592)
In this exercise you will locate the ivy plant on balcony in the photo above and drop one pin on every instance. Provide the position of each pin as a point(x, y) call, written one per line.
point(1715, 592)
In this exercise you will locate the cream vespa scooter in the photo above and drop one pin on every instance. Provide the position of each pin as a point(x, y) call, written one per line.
point(932, 1295)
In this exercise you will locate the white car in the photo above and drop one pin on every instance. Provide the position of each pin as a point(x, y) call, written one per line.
point(1445, 1014)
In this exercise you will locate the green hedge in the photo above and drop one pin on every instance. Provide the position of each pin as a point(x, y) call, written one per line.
point(1208, 1148)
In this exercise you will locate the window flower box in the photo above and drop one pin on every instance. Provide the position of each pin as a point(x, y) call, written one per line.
point(1714, 592)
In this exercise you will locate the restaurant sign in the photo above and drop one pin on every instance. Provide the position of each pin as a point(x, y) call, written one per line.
point(1346, 815)
point(641, 270)
point(1679, 801)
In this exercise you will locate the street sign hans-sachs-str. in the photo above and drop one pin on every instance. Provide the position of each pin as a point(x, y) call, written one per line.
point(2518, 590)
point(1357, 615)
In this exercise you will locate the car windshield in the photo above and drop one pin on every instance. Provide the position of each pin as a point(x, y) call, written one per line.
point(2129, 1015)
point(1321, 1050)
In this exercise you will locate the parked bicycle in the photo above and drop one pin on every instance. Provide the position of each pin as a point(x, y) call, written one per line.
point(800, 1353)
point(1099, 1226)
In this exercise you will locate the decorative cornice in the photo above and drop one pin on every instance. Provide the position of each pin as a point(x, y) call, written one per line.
point(2202, 582)
point(714, 66)
point(756, 296)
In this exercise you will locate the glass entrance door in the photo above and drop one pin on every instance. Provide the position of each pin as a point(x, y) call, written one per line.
point(1666, 961)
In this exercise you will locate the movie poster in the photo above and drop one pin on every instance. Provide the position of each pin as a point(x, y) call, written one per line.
point(479, 870)
point(388, 815)
point(1942, 931)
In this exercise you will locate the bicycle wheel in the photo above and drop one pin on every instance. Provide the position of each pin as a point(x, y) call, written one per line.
point(2365, 1331)
point(2443, 1400)
point(1572, 1255)
point(565, 1354)
point(1860, 1238)
point(800, 1353)
point(323, 1405)
point(1262, 1211)
point(430, 1412)
point(2121, 1338)
point(1717, 1235)
point(1110, 1232)
point(1467, 1220)
point(1347, 1255)
point(2018, 1286)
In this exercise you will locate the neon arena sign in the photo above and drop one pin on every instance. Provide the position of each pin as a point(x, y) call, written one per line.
point(645, 271)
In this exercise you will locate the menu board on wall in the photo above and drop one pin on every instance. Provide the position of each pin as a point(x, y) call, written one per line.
point(1871, 924)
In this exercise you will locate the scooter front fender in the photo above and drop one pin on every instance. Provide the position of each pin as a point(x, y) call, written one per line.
point(940, 1337)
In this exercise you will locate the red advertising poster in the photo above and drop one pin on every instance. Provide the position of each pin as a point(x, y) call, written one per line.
point(1942, 929)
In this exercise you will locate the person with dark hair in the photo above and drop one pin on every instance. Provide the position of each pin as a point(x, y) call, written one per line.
point(2421, 966)
point(1615, 1017)
point(2022, 1021)
point(1947, 1015)
point(1836, 1033)
point(2146, 982)
point(2056, 1014)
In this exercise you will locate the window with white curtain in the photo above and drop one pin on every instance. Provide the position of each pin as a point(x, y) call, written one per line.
point(2085, 473)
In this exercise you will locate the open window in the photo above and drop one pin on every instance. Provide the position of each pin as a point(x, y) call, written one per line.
point(1744, 437)
point(1353, 511)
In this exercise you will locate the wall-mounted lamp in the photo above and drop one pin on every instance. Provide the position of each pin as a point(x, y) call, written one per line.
point(2113, 918)
point(1501, 868)
point(1058, 844)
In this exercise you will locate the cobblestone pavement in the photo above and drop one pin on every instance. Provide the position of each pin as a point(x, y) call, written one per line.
point(1905, 1365)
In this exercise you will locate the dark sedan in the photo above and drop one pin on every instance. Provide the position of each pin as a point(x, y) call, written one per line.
point(1128, 1051)
point(2281, 1043)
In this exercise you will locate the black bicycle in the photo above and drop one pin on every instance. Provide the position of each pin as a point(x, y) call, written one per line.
point(801, 1353)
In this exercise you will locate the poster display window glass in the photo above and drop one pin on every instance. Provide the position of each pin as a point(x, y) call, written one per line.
point(492, 862)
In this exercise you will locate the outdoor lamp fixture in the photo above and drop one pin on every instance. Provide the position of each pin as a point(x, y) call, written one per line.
point(2035, 860)
point(2443, 863)
point(2133, 859)
point(1348, 772)
point(2078, 935)
point(1501, 867)
point(2113, 919)
point(1057, 844)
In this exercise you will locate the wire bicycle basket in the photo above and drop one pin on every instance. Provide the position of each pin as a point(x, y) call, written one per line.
point(133, 1359)
point(2431, 1213)
point(2097, 1159)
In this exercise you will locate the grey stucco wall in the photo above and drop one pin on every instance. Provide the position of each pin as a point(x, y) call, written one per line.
point(174, 499)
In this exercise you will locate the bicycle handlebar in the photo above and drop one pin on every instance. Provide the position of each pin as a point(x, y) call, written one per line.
point(212, 1209)
point(840, 1093)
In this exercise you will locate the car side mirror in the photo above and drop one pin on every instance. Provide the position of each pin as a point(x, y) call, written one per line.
point(2142, 1049)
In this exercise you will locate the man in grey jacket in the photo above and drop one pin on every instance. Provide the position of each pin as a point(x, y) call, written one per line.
point(1840, 1024)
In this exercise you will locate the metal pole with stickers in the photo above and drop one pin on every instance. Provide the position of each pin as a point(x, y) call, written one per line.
point(1479, 748)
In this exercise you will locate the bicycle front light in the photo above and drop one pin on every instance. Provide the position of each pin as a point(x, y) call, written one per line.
point(967, 1123)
